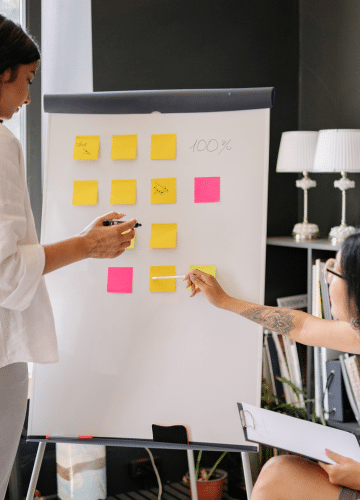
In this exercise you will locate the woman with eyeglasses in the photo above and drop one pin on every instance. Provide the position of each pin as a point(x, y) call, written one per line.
point(289, 477)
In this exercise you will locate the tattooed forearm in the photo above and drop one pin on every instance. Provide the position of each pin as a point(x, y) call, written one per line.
point(279, 320)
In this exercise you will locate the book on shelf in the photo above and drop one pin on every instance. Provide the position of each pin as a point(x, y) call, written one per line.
point(348, 387)
point(272, 362)
point(318, 353)
point(322, 309)
point(324, 291)
point(293, 350)
point(293, 302)
point(294, 366)
point(266, 372)
point(290, 395)
point(287, 353)
point(283, 358)
point(352, 368)
point(339, 405)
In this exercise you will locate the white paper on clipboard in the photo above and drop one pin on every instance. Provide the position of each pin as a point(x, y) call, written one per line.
point(296, 435)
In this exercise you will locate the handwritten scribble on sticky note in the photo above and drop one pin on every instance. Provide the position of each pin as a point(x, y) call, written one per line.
point(123, 147)
point(207, 189)
point(120, 279)
point(167, 285)
point(123, 192)
point(163, 235)
point(209, 269)
point(163, 147)
point(163, 190)
point(85, 193)
point(86, 147)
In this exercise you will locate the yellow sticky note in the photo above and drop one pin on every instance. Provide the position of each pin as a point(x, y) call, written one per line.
point(86, 147)
point(123, 192)
point(163, 190)
point(132, 246)
point(123, 147)
point(163, 147)
point(205, 269)
point(163, 235)
point(85, 193)
point(167, 285)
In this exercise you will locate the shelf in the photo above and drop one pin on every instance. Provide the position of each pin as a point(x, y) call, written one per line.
point(316, 244)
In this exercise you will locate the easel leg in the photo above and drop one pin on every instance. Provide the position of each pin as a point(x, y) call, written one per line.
point(247, 473)
point(36, 470)
point(191, 462)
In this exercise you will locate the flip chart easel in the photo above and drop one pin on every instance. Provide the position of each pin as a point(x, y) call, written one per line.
point(167, 343)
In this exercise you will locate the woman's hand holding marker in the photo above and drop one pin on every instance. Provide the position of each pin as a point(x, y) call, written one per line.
point(108, 242)
point(96, 241)
point(206, 283)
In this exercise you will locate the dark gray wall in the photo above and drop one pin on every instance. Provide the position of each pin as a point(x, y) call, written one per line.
point(330, 94)
point(157, 44)
point(195, 44)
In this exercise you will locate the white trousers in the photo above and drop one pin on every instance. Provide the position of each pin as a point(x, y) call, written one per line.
point(13, 401)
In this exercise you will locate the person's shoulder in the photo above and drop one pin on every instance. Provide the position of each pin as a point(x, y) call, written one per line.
point(8, 140)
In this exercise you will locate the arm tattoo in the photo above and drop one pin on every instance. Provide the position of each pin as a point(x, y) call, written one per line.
point(279, 320)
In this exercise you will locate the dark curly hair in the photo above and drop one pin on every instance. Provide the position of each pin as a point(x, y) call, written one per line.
point(350, 263)
point(16, 47)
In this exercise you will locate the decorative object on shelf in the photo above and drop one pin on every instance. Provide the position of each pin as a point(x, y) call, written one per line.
point(338, 150)
point(209, 481)
point(296, 154)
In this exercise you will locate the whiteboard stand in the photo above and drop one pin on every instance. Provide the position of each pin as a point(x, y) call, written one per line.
point(36, 470)
point(247, 473)
point(191, 463)
point(246, 468)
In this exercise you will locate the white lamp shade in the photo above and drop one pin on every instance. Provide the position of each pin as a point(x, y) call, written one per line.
point(297, 151)
point(338, 150)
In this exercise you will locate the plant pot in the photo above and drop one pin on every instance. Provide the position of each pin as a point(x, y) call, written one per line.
point(212, 489)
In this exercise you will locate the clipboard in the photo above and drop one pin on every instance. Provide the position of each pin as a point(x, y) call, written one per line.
point(295, 435)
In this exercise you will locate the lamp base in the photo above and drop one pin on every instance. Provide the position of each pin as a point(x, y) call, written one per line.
point(305, 231)
point(340, 233)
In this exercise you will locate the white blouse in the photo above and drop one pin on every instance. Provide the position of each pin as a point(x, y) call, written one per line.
point(27, 330)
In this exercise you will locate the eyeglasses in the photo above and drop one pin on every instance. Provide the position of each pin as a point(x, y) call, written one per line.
point(329, 270)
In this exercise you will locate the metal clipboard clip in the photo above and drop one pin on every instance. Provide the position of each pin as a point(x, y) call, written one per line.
point(243, 419)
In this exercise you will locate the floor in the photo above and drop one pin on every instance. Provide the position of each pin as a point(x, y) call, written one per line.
point(174, 491)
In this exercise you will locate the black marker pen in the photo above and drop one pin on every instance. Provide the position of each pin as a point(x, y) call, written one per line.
point(114, 222)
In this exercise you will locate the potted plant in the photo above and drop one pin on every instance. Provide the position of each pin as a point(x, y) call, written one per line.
point(209, 481)
point(270, 401)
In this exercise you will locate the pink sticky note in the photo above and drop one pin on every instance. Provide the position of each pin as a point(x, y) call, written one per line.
point(207, 189)
point(120, 280)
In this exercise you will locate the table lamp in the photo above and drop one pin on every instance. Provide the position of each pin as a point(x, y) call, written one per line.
point(296, 154)
point(338, 150)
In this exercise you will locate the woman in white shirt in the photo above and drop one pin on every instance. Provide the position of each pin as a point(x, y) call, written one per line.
point(290, 477)
point(27, 332)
